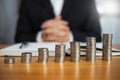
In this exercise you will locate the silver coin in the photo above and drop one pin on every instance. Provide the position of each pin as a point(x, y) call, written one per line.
point(26, 57)
point(75, 51)
point(60, 53)
point(91, 49)
point(9, 60)
point(43, 55)
point(107, 46)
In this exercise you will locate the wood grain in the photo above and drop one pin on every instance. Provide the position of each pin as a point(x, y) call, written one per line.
point(98, 70)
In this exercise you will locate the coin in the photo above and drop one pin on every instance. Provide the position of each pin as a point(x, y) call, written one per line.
point(60, 53)
point(26, 57)
point(91, 49)
point(43, 55)
point(107, 47)
point(9, 60)
point(75, 51)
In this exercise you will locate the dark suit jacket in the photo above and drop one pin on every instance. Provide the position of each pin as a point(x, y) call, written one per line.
point(81, 14)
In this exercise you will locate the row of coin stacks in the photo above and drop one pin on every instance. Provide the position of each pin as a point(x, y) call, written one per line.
point(43, 53)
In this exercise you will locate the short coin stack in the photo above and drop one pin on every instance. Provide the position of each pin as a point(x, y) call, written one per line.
point(9, 60)
point(43, 54)
point(107, 47)
point(60, 53)
point(91, 49)
point(75, 51)
point(26, 57)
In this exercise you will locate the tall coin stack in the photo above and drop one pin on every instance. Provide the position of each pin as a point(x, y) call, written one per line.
point(43, 54)
point(91, 49)
point(26, 57)
point(75, 51)
point(107, 47)
point(60, 53)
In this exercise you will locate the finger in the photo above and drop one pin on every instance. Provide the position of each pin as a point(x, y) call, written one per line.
point(47, 24)
point(48, 37)
point(63, 27)
point(61, 34)
point(58, 18)
point(48, 31)
point(63, 22)
point(53, 23)
point(62, 39)
point(47, 27)
point(59, 38)
point(58, 26)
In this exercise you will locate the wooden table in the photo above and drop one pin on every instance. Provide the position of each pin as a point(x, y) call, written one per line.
point(98, 70)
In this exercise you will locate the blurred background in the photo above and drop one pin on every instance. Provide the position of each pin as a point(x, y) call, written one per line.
point(109, 11)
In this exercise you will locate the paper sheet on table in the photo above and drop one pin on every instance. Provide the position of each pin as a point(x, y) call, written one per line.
point(14, 50)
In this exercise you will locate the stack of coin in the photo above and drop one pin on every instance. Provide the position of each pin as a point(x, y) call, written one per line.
point(43, 54)
point(91, 49)
point(60, 53)
point(9, 60)
point(75, 51)
point(107, 47)
point(26, 57)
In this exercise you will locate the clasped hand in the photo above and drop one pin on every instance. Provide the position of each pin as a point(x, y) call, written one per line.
point(56, 30)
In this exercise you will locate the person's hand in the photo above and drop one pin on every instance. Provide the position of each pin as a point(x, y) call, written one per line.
point(55, 30)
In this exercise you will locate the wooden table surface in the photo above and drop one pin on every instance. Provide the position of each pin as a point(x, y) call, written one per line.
point(98, 70)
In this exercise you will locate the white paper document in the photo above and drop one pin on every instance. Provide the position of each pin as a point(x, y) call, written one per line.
point(15, 50)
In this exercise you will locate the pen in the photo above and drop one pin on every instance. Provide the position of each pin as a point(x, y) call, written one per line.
point(23, 44)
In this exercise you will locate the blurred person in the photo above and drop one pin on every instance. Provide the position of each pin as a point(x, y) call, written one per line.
point(57, 21)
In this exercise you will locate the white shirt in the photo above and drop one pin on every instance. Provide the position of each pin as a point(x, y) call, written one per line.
point(57, 8)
